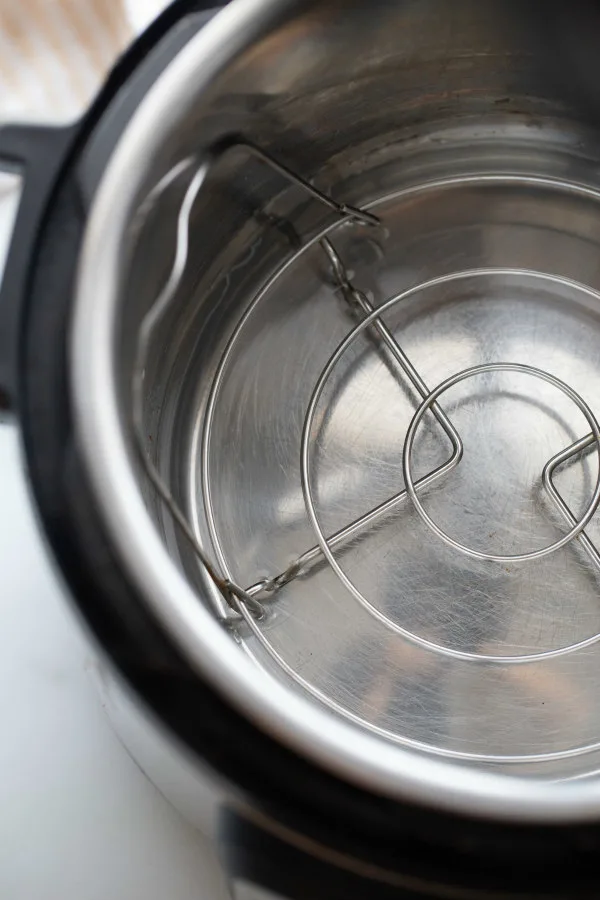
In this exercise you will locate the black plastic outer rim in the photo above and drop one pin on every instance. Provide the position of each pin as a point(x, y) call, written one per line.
point(429, 845)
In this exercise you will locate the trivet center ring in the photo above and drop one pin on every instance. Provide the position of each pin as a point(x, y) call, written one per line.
point(431, 399)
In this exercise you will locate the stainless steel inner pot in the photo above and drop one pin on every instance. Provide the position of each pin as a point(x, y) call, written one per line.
point(461, 681)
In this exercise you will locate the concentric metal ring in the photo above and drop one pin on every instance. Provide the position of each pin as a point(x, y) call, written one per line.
point(410, 437)
point(308, 492)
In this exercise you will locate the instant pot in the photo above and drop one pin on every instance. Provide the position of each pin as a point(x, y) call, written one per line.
point(300, 323)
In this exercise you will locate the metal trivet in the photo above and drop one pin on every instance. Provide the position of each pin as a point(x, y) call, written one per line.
point(249, 603)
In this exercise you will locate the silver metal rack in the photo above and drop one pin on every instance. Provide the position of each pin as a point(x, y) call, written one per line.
point(252, 602)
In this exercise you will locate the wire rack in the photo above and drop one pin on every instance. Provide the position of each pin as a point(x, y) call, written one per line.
point(252, 602)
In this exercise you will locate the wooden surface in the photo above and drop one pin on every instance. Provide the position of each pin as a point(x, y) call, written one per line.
point(54, 54)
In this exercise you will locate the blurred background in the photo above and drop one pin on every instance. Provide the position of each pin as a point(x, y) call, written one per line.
point(78, 819)
point(54, 53)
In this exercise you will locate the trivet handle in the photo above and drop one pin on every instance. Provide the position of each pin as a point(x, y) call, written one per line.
point(37, 153)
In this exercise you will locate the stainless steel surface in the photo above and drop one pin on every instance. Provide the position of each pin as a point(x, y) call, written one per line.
point(478, 678)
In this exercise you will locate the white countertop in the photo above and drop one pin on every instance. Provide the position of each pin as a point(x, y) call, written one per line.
point(78, 819)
